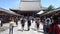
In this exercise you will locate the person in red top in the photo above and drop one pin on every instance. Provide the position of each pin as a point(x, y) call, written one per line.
point(55, 27)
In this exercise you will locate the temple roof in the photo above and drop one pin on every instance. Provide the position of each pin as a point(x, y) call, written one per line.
point(8, 11)
point(30, 5)
point(53, 11)
point(26, 6)
point(43, 8)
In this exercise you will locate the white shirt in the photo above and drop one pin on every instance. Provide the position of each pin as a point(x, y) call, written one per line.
point(46, 21)
point(11, 24)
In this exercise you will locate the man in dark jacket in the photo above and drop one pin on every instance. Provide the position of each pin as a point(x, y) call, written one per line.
point(29, 23)
point(23, 23)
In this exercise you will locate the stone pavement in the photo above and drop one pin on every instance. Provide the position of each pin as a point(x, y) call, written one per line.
point(4, 28)
point(17, 30)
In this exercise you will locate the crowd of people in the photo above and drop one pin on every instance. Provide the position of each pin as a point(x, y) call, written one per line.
point(29, 22)
point(23, 21)
point(51, 23)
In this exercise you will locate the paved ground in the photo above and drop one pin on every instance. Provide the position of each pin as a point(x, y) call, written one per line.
point(4, 27)
point(17, 30)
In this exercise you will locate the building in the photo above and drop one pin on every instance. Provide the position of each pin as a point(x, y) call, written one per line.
point(28, 7)
point(53, 12)
point(6, 14)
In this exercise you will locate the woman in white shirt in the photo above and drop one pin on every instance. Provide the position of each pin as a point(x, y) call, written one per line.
point(11, 25)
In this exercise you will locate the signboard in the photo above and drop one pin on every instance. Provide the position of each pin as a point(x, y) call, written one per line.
point(31, 0)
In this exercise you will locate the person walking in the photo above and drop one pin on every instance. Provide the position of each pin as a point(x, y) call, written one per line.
point(29, 23)
point(16, 20)
point(37, 23)
point(11, 25)
point(55, 27)
point(23, 23)
point(47, 25)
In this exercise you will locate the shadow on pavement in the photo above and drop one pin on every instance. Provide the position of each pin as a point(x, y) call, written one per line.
point(25, 30)
point(19, 30)
point(33, 29)
point(40, 31)
point(3, 28)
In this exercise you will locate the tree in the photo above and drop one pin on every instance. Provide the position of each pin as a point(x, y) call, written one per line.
point(50, 8)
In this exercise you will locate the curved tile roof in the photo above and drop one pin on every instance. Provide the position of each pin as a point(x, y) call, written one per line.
point(8, 11)
point(52, 11)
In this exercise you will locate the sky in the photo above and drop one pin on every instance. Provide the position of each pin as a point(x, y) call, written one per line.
point(15, 3)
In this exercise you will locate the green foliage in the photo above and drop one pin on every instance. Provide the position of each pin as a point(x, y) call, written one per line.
point(50, 8)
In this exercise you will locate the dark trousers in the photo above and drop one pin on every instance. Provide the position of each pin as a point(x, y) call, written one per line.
point(28, 27)
point(45, 29)
point(16, 22)
point(11, 30)
point(29, 24)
